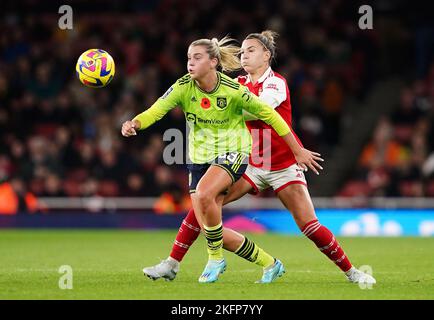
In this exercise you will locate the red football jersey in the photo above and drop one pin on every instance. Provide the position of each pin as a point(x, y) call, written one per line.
point(269, 150)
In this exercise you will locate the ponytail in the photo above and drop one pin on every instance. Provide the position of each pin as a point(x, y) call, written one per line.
point(224, 50)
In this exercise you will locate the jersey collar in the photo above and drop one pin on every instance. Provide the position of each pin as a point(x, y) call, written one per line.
point(266, 74)
point(215, 88)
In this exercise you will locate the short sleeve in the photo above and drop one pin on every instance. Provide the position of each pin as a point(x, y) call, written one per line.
point(263, 111)
point(273, 91)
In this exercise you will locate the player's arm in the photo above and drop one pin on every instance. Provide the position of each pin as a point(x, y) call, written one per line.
point(264, 112)
point(273, 93)
point(157, 111)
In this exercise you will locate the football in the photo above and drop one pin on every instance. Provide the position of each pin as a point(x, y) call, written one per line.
point(95, 68)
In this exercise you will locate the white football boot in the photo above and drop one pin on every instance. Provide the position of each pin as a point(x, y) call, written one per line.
point(166, 269)
point(356, 276)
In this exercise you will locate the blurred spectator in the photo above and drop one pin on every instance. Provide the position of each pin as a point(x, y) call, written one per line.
point(89, 188)
point(383, 149)
point(406, 113)
point(53, 186)
point(134, 186)
point(109, 167)
point(173, 200)
point(14, 198)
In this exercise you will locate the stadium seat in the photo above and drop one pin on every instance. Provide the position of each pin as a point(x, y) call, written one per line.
point(78, 175)
point(410, 188)
point(47, 129)
point(71, 188)
point(430, 188)
point(355, 188)
point(108, 188)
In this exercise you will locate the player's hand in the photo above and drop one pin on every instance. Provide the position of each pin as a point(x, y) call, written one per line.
point(129, 129)
point(308, 159)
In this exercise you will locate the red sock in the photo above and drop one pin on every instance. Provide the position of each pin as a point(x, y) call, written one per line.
point(327, 244)
point(187, 234)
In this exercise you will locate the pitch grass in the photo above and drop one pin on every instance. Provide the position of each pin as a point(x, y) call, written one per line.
point(108, 265)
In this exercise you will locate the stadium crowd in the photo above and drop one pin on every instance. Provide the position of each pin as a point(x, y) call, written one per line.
point(399, 159)
point(60, 138)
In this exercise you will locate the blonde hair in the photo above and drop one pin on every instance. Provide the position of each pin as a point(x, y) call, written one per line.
point(224, 50)
point(268, 39)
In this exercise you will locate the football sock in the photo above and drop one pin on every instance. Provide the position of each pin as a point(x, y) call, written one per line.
point(349, 272)
point(173, 262)
point(187, 234)
point(253, 253)
point(327, 244)
point(214, 237)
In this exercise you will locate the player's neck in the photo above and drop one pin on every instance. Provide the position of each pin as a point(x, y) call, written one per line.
point(208, 82)
point(258, 73)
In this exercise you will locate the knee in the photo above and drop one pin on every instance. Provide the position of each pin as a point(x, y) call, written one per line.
point(204, 199)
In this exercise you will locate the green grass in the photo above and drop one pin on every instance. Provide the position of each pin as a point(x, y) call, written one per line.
point(108, 265)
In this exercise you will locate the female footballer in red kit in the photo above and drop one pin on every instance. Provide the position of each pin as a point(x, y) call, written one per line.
point(271, 164)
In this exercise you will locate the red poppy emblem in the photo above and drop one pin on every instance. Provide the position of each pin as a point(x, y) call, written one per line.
point(205, 103)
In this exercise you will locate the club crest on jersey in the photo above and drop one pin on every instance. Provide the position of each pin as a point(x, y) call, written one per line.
point(222, 102)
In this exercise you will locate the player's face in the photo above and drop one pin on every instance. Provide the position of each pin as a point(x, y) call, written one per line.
point(199, 63)
point(253, 55)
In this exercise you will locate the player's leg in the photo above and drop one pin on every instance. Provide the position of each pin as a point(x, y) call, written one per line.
point(250, 182)
point(238, 190)
point(186, 236)
point(295, 197)
point(245, 248)
point(207, 203)
point(190, 227)
point(235, 165)
point(187, 233)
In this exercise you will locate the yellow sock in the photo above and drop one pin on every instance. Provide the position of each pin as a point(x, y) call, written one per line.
point(214, 238)
point(253, 253)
